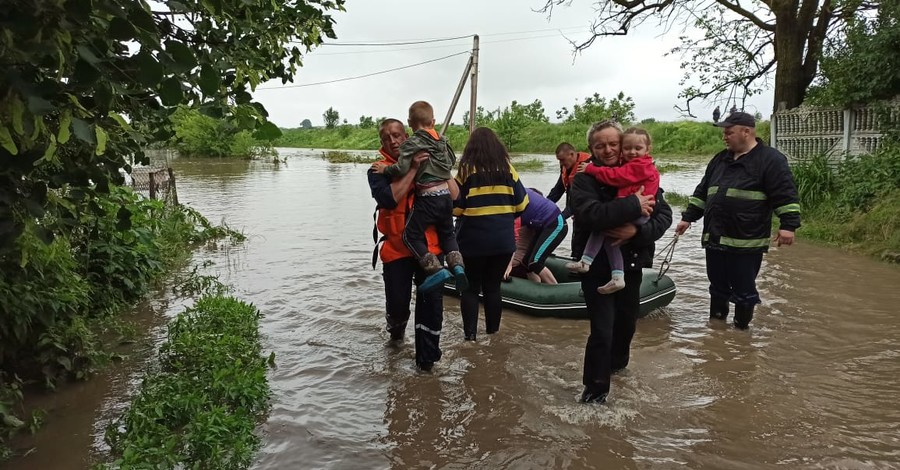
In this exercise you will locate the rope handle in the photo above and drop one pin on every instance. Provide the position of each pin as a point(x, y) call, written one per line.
point(667, 260)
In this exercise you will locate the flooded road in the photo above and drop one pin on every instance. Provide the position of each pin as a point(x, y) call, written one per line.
point(812, 384)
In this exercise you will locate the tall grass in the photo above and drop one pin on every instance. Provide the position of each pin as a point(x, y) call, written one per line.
point(853, 203)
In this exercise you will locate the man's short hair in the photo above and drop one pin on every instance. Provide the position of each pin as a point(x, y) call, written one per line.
point(564, 147)
point(420, 113)
point(388, 122)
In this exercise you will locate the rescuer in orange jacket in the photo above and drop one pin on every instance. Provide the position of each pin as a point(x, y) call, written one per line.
point(394, 199)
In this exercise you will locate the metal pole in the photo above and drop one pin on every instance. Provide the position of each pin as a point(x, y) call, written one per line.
point(459, 89)
point(473, 103)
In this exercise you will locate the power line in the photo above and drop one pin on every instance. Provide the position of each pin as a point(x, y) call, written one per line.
point(366, 75)
point(524, 38)
point(404, 43)
point(407, 42)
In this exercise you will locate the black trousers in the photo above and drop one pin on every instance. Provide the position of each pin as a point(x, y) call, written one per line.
point(485, 273)
point(732, 276)
point(430, 210)
point(429, 318)
point(613, 321)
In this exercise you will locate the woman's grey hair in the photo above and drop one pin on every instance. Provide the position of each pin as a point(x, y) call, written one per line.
point(600, 125)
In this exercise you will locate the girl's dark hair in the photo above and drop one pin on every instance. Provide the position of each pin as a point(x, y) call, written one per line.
point(484, 153)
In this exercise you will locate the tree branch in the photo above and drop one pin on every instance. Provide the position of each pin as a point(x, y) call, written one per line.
point(747, 14)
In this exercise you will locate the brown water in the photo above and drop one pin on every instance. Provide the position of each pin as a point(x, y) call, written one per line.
point(812, 384)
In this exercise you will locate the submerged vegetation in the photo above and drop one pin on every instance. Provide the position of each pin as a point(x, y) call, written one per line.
point(340, 156)
point(61, 299)
point(200, 403)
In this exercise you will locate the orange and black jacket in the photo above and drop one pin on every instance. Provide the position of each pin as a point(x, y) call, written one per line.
point(565, 182)
point(390, 217)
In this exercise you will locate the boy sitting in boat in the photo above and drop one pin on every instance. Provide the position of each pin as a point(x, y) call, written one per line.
point(432, 204)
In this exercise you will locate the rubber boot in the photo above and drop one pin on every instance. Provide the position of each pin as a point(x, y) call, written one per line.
point(455, 263)
point(742, 316)
point(718, 308)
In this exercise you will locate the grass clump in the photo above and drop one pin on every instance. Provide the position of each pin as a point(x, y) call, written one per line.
point(199, 407)
point(340, 156)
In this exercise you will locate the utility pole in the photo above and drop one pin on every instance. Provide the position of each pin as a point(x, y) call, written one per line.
point(471, 68)
point(473, 100)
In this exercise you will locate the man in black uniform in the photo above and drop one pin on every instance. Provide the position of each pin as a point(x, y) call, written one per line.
point(743, 185)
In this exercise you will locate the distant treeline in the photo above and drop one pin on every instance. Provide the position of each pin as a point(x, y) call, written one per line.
point(669, 138)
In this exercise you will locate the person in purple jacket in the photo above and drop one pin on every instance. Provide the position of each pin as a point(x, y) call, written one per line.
point(542, 230)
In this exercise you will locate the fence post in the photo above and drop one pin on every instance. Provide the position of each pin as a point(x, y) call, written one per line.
point(848, 130)
point(152, 184)
point(773, 135)
point(172, 187)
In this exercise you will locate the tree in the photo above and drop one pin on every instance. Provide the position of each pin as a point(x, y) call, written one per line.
point(863, 65)
point(741, 42)
point(306, 124)
point(366, 122)
point(332, 118)
point(596, 108)
point(86, 84)
point(511, 122)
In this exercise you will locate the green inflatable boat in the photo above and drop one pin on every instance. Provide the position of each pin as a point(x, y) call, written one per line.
point(565, 300)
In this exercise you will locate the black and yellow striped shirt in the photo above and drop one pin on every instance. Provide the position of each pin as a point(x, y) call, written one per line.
point(487, 213)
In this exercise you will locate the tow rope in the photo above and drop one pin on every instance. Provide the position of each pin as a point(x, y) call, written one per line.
point(666, 263)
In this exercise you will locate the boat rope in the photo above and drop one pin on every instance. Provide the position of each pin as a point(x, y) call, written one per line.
point(669, 250)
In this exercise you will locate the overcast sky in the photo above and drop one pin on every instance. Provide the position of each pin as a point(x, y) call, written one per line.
point(523, 57)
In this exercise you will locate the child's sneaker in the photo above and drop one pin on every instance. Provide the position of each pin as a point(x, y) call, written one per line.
point(435, 280)
point(455, 263)
point(615, 284)
point(578, 267)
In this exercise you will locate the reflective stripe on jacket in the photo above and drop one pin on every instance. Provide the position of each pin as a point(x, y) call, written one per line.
point(736, 199)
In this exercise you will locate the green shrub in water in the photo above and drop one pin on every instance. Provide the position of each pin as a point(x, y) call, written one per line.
point(199, 407)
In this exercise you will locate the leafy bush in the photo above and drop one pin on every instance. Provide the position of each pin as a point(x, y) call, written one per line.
point(199, 407)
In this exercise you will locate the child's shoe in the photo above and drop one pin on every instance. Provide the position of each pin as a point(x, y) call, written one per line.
point(615, 284)
point(578, 267)
point(435, 280)
point(455, 263)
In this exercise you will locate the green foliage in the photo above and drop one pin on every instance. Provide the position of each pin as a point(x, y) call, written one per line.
point(863, 66)
point(86, 84)
point(861, 192)
point(57, 296)
point(366, 122)
point(532, 164)
point(596, 108)
point(199, 407)
point(198, 135)
point(339, 156)
point(680, 138)
point(331, 117)
point(306, 124)
point(510, 123)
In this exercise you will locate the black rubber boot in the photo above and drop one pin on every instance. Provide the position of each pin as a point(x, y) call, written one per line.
point(718, 308)
point(742, 316)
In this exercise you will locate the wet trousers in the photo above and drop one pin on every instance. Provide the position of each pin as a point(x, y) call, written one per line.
point(485, 274)
point(732, 276)
point(429, 311)
point(613, 320)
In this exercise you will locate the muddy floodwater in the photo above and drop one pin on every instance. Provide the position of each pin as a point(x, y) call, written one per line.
point(813, 384)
